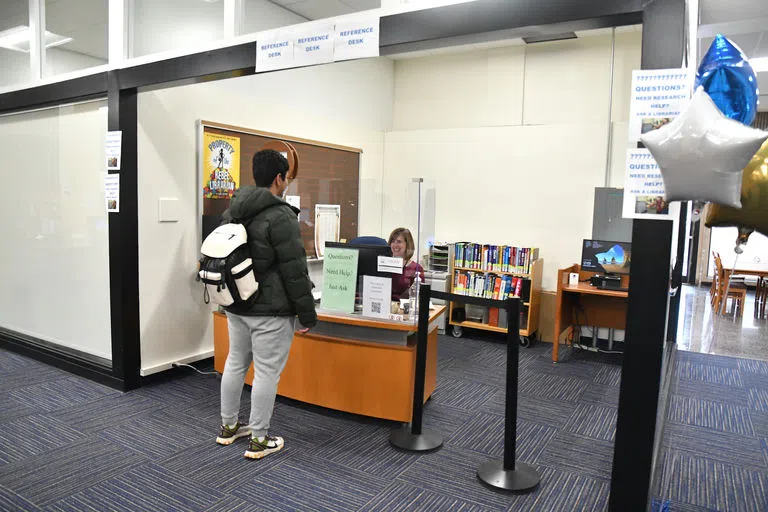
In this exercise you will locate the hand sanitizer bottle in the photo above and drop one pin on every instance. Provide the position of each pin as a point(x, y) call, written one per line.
point(413, 294)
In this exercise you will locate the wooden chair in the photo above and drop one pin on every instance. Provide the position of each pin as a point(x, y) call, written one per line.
point(736, 291)
point(761, 296)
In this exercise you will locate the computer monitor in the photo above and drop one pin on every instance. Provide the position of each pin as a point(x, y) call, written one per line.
point(367, 262)
point(606, 257)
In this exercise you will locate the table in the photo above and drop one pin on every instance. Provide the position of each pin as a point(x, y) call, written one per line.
point(601, 308)
point(350, 363)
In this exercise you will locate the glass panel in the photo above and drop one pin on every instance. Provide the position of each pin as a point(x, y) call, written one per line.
point(76, 35)
point(56, 284)
point(14, 63)
point(261, 15)
point(161, 25)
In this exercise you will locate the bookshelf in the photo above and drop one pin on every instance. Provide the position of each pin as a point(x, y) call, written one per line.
point(495, 272)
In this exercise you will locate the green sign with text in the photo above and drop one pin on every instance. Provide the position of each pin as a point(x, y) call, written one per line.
point(339, 279)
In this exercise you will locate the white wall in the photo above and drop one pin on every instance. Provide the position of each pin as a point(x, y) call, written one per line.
point(54, 230)
point(346, 103)
point(515, 139)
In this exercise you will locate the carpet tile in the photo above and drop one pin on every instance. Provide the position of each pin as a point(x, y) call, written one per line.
point(473, 371)
point(758, 399)
point(707, 483)
point(580, 455)
point(698, 389)
point(107, 412)
point(575, 492)
point(725, 447)
point(222, 467)
point(608, 376)
point(354, 452)
point(400, 497)
point(233, 504)
point(11, 409)
point(148, 488)
point(23, 378)
point(596, 421)
point(605, 395)
point(463, 394)
point(157, 435)
point(311, 484)
point(12, 502)
point(753, 366)
point(713, 374)
point(60, 393)
point(70, 444)
point(452, 473)
point(546, 412)
point(34, 434)
point(759, 422)
point(577, 369)
point(49, 477)
point(710, 414)
point(552, 387)
point(445, 418)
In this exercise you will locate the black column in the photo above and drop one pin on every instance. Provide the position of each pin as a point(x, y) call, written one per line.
point(663, 47)
point(124, 239)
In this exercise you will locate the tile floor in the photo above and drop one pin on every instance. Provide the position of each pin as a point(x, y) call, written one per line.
point(699, 330)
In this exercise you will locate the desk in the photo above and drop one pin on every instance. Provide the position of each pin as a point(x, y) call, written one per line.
point(602, 308)
point(350, 363)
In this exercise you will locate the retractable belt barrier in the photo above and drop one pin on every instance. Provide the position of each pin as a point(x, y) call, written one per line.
point(507, 473)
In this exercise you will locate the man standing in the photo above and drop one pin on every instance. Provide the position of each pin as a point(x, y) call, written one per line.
point(262, 330)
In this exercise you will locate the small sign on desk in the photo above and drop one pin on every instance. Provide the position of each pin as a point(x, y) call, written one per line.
point(573, 279)
point(390, 265)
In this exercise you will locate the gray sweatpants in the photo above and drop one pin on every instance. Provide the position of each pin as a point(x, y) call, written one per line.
point(266, 340)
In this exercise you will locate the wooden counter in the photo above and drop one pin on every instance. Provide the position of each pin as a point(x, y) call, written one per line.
point(345, 373)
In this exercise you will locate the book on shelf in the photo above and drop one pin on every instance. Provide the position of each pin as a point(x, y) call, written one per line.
point(486, 285)
point(494, 258)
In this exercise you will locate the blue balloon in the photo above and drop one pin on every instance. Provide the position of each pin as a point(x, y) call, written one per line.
point(729, 80)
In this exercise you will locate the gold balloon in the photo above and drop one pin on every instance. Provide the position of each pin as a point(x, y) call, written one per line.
point(753, 215)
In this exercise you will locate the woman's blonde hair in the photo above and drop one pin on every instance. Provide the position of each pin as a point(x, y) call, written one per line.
point(410, 247)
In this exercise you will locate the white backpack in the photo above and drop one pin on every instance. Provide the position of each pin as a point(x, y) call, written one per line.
point(226, 267)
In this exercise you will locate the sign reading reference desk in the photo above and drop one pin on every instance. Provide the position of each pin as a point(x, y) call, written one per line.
point(339, 279)
point(319, 44)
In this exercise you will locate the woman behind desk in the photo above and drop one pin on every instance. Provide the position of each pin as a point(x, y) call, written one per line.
point(401, 243)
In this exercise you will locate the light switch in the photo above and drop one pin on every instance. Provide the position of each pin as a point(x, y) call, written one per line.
point(168, 209)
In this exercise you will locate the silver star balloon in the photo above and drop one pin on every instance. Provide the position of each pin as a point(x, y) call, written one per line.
point(701, 153)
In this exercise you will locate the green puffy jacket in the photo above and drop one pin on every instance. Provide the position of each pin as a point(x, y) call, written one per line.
point(279, 258)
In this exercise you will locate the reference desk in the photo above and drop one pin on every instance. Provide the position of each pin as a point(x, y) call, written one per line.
point(350, 363)
point(583, 304)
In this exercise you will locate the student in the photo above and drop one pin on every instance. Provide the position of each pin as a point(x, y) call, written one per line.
point(401, 243)
point(262, 331)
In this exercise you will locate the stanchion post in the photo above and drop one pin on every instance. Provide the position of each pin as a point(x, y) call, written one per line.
point(421, 360)
point(509, 474)
point(513, 365)
point(415, 439)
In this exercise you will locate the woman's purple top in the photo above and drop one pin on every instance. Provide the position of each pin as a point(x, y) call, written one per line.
point(401, 283)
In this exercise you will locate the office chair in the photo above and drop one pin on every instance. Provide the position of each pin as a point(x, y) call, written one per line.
point(368, 240)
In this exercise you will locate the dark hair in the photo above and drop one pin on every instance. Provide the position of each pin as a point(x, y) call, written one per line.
point(267, 164)
point(410, 247)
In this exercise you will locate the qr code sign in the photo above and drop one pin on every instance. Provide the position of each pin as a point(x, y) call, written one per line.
point(376, 307)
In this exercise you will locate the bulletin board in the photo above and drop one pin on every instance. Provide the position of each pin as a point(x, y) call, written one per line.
point(327, 174)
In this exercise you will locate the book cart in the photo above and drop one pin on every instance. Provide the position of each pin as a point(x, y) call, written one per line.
point(495, 272)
